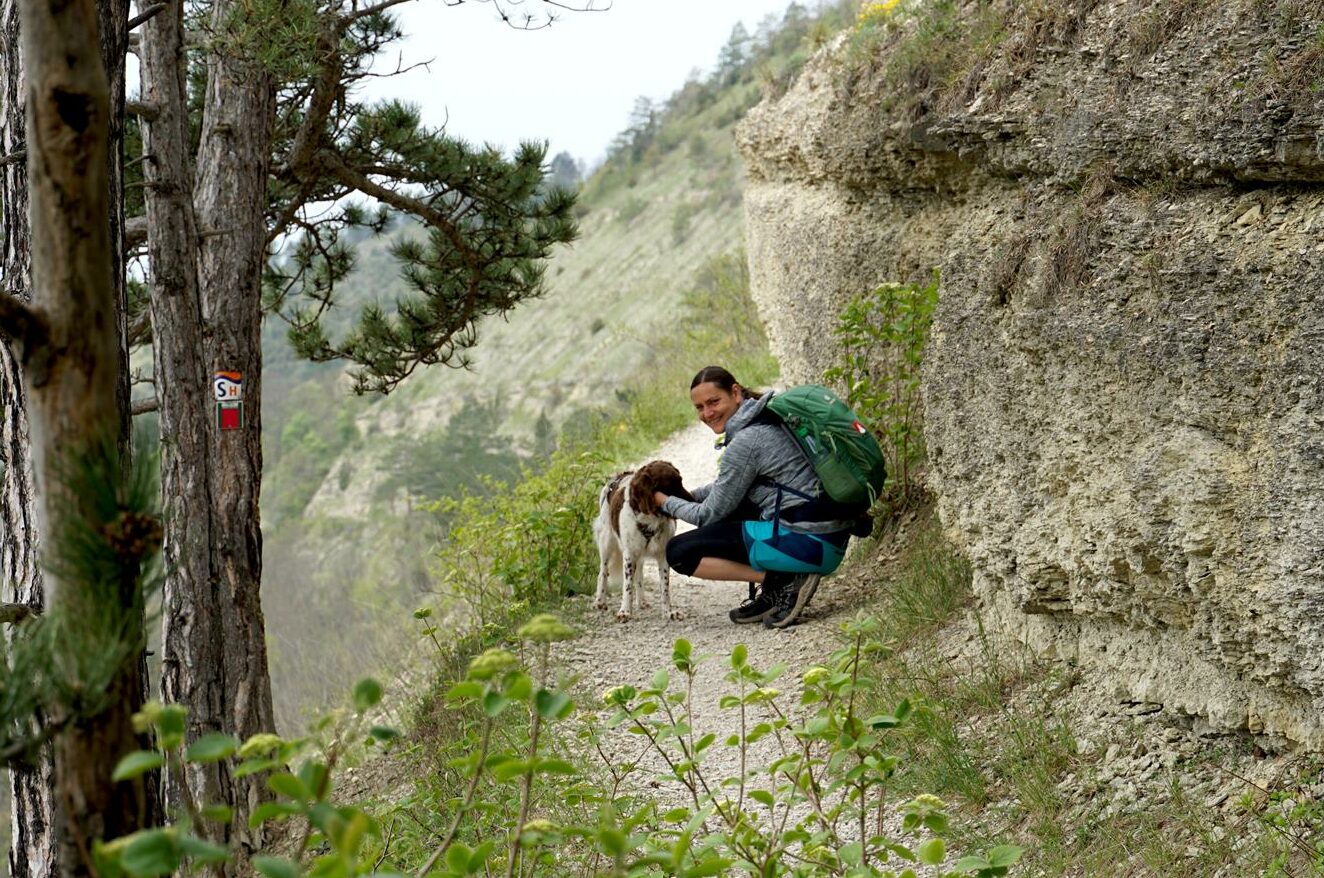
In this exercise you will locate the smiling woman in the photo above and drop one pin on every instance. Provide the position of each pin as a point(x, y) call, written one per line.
point(761, 520)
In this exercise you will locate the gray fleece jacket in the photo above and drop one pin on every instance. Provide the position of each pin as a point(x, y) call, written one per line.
point(753, 450)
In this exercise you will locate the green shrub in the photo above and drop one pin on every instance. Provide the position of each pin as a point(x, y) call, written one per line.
point(528, 807)
point(334, 839)
point(882, 336)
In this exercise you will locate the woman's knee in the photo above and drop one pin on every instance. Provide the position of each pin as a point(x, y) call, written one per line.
point(681, 557)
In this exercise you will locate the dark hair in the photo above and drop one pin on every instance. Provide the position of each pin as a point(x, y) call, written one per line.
point(723, 379)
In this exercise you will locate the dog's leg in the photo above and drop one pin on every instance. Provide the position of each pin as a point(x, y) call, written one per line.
point(641, 593)
point(604, 573)
point(630, 574)
point(611, 564)
point(664, 574)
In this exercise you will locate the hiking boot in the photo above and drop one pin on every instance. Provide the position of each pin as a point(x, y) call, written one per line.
point(791, 599)
point(760, 603)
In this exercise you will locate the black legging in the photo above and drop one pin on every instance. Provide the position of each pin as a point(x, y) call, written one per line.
point(721, 539)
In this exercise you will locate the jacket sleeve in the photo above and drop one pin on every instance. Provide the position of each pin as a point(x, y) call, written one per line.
point(735, 475)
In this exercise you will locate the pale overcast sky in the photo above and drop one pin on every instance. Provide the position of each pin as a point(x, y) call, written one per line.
point(573, 83)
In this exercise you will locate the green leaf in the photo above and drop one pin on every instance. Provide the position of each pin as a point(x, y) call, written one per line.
point(708, 867)
point(763, 797)
point(494, 703)
point(661, 679)
point(202, 852)
point(680, 655)
point(276, 867)
point(313, 773)
point(465, 690)
point(253, 766)
point(367, 694)
point(480, 855)
point(932, 851)
point(1004, 855)
point(383, 733)
point(519, 686)
point(508, 771)
point(137, 764)
point(552, 705)
point(613, 841)
point(739, 655)
point(852, 854)
point(151, 853)
point(457, 858)
point(676, 815)
point(556, 766)
point(218, 813)
point(289, 786)
point(273, 811)
point(971, 864)
point(170, 726)
point(212, 748)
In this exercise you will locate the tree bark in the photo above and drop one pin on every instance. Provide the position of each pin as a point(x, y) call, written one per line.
point(33, 849)
point(75, 391)
point(207, 318)
point(32, 840)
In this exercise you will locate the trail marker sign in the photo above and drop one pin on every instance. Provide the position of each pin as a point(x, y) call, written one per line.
point(229, 390)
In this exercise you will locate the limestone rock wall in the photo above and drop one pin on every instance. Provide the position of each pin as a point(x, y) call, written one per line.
point(1125, 382)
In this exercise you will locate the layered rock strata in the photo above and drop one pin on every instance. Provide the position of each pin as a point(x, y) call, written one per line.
point(1124, 387)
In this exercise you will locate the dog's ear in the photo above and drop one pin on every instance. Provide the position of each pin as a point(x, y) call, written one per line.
point(669, 481)
point(642, 486)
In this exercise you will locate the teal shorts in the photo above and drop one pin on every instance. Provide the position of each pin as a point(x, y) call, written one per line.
point(790, 551)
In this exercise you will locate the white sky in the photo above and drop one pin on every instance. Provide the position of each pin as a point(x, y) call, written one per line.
point(573, 83)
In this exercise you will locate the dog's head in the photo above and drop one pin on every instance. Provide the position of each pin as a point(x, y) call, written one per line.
point(657, 475)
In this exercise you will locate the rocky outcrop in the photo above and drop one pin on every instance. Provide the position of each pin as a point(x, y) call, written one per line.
point(1125, 382)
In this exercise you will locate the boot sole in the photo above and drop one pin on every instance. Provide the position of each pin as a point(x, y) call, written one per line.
point(749, 620)
point(801, 601)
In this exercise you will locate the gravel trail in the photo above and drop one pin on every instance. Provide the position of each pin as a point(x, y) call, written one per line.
point(608, 653)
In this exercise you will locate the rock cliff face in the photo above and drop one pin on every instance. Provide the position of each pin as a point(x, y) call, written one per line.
point(1125, 382)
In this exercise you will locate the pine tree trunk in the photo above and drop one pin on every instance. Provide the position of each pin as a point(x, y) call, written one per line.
point(32, 840)
point(73, 379)
point(33, 817)
point(207, 249)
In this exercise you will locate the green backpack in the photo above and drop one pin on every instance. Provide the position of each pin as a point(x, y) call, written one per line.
point(844, 454)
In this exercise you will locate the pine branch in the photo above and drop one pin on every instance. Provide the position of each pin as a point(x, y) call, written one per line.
point(144, 406)
point(12, 614)
point(146, 15)
point(23, 323)
point(341, 170)
point(135, 232)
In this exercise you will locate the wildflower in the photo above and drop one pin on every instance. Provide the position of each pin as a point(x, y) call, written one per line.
point(491, 663)
point(260, 745)
point(545, 628)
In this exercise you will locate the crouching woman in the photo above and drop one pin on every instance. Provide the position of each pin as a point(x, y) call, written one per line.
point(765, 520)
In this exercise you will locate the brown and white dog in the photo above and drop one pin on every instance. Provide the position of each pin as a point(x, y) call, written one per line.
point(631, 527)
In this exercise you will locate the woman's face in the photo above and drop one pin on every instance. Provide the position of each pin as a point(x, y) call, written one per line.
point(714, 405)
